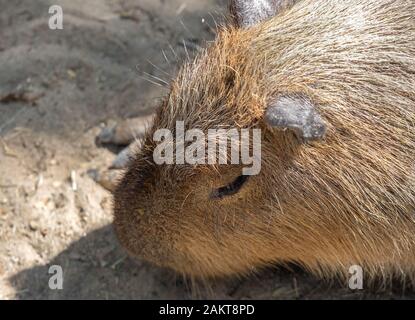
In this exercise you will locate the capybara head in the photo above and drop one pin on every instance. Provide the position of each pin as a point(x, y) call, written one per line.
point(331, 86)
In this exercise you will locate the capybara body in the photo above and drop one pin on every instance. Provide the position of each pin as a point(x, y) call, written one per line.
point(345, 199)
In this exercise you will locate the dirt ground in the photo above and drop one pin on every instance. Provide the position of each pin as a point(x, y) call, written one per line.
point(58, 89)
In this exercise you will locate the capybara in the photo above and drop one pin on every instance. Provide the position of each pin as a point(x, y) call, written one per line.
point(331, 85)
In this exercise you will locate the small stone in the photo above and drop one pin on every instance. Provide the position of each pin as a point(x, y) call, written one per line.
point(71, 74)
point(33, 225)
point(39, 205)
point(93, 174)
point(50, 205)
point(56, 184)
point(123, 159)
point(106, 179)
point(60, 201)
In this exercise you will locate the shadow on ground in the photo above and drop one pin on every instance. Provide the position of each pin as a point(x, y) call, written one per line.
point(96, 267)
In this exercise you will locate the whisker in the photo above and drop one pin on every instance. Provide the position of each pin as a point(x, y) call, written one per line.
point(187, 29)
point(174, 52)
point(185, 49)
point(214, 21)
point(165, 57)
point(156, 78)
point(184, 201)
point(159, 69)
point(150, 81)
point(137, 67)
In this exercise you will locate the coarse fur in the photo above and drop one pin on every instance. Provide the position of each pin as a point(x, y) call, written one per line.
point(326, 205)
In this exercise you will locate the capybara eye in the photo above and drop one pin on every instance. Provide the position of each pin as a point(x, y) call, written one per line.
point(230, 189)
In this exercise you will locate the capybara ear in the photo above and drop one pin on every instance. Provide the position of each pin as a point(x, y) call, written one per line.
point(247, 13)
point(296, 113)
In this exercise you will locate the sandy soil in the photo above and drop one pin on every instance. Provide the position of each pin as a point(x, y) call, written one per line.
point(58, 89)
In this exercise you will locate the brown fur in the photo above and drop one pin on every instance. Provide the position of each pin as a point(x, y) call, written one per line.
point(327, 205)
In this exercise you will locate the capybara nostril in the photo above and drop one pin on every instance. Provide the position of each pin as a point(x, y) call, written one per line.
point(331, 86)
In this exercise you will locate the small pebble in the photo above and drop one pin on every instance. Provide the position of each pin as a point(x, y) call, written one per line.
point(39, 205)
point(33, 225)
point(56, 184)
